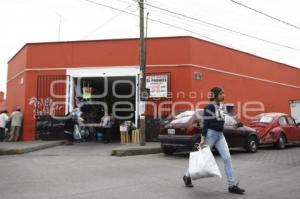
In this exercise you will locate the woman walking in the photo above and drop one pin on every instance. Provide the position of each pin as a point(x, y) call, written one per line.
point(213, 136)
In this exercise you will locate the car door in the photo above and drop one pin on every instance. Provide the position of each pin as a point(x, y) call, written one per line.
point(285, 127)
point(231, 132)
point(293, 129)
point(298, 132)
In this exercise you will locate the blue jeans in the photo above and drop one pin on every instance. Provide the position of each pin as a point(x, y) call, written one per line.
point(216, 139)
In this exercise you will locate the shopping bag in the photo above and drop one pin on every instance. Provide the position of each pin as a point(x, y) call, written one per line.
point(202, 164)
point(77, 135)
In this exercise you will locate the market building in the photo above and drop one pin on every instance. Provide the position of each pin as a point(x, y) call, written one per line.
point(52, 78)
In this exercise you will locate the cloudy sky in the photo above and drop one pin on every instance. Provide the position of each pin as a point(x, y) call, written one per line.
point(222, 21)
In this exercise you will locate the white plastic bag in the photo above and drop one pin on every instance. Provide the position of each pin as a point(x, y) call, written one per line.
point(77, 135)
point(202, 164)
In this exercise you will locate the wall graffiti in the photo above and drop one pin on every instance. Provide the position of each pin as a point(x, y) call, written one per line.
point(44, 106)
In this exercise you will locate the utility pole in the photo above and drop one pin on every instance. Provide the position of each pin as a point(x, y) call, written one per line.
point(59, 25)
point(143, 76)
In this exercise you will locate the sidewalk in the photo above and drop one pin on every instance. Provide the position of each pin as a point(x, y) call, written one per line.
point(136, 149)
point(13, 148)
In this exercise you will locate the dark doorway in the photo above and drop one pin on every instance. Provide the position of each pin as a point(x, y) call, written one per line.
point(116, 95)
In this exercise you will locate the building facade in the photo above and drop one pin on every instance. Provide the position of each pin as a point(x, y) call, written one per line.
point(47, 78)
point(2, 101)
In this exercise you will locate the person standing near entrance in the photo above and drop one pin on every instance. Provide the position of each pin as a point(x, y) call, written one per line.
point(3, 121)
point(16, 124)
point(212, 135)
point(69, 128)
point(106, 124)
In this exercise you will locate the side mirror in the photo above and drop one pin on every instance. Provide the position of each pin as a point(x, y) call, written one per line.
point(298, 124)
point(239, 124)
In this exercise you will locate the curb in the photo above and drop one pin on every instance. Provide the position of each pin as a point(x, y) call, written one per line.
point(22, 150)
point(135, 151)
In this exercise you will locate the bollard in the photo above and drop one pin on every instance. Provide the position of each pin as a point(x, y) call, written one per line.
point(125, 139)
point(122, 137)
point(135, 136)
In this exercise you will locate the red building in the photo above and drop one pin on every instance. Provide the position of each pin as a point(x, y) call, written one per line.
point(2, 101)
point(182, 70)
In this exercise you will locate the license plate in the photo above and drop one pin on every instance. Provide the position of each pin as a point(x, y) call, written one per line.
point(171, 131)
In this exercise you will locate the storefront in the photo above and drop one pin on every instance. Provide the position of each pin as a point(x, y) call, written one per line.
point(47, 79)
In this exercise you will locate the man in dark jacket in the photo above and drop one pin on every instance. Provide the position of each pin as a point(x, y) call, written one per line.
point(69, 129)
point(213, 126)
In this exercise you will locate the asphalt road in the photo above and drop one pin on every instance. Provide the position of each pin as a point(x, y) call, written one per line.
point(88, 171)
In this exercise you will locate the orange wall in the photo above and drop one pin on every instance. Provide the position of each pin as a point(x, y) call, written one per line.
point(106, 53)
point(274, 97)
point(2, 101)
point(31, 93)
point(16, 93)
point(218, 57)
point(241, 91)
point(17, 64)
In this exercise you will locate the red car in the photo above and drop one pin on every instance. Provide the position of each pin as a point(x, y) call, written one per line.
point(277, 129)
point(183, 130)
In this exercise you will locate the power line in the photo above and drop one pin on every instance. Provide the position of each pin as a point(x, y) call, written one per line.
point(154, 20)
point(106, 22)
point(267, 15)
point(221, 27)
point(193, 32)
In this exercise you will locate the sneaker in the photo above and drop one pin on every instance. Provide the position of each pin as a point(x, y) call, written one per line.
point(187, 181)
point(236, 189)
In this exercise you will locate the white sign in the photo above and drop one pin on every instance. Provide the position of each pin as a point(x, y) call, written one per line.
point(295, 110)
point(158, 85)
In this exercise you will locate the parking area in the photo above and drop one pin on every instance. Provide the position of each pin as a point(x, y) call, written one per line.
point(88, 171)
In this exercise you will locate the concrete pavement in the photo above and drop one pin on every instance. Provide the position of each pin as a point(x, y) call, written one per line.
point(87, 170)
point(14, 148)
point(136, 149)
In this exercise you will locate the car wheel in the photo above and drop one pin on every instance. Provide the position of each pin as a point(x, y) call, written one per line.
point(168, 151)
point(281, 142)
point(252, 144)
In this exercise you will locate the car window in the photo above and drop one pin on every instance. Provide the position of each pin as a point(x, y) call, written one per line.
point(230, 121)
point(185, 114)
point(263, 119)
point(282, 121)
point(291, 121)
point(182, 119)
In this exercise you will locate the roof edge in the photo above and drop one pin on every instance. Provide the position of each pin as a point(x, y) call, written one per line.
point(151, 38)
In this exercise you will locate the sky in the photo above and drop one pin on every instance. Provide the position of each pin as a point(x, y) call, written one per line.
point(220, 21)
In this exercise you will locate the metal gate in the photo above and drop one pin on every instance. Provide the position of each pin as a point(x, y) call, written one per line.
point(51, 105)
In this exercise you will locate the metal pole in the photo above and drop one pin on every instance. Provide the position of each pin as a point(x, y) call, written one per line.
point(143, 74)
point(59, 25)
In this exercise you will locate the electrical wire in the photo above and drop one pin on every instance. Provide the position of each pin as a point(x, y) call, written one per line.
point(221, 27)
point(154, 20)
point(191, 31)
point(106, 22)
point(267, 15)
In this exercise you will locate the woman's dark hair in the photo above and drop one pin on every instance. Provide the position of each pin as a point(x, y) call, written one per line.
point(214, 92)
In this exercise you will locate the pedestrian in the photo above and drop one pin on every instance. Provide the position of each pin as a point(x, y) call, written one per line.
point(212, 135)
point(4, 119)
point(69, 128)
point(16, 123)
point(106, 124)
